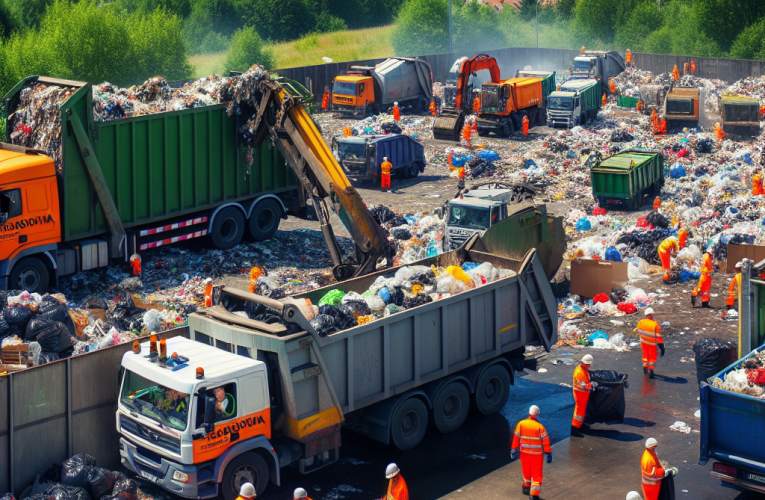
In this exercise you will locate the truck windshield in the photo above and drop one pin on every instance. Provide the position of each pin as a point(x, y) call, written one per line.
point(159, 403)
point(565, 103)
point(350, 151)
point(344, 88)
point(680, 106)
point(581, 66)
point(738, 113)
point(490, 97)
point(472, 217)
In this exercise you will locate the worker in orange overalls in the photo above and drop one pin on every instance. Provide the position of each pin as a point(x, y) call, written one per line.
point(660, 126)
point(432, 108)
point(466, 133)
point(757, 189)
point(719, 131)
point(735, 287)
point(657, 204)
point(628, 58)
point(246, 492)
point(693, 67)
point(397, 489)
point(530, 441)
point(300, 494)
point(675, 73)
point(612, 86)
point(385, 170)
point(476, 105)
point(652, 471)
point(325, 99)
point(582, 388)
point(135, 262)
point(396, 112)
point(650, 339)
point(669, 247)
point(705, 284)
point(255, 273)
point(581, 51)
point(640, 106)
point(604, 100)
point(525, 123)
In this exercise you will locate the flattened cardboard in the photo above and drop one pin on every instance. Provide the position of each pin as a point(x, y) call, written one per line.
point(591, 277)
point(738, 252)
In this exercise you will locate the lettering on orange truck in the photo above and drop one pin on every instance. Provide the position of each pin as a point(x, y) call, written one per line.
point(24, 223)
point(228, 433)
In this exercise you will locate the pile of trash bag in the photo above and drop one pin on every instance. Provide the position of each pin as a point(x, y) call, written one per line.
point(607, 402)
point(81, 479)
point(713, 356)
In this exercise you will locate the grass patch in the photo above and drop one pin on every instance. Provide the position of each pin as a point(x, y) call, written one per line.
point(208, 64)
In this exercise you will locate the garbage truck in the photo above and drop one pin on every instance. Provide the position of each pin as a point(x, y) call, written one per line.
point(740, 115)
point(361, 156)
point(576, 103)
point(627, 179)
point(681, 106)
point(504, 105)
point(128, 185)
point(256, 397)
point(368, 90)
point(598, 65)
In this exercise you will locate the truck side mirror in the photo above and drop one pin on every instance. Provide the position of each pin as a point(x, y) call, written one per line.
point(209, 413)
point(439, 212)
point(3, 218)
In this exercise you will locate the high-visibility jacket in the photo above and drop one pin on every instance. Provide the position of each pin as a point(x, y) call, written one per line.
point(582, 379)
point(757, 188)
point(397, 489)
point(708, 262)
point(735, 286)
point(386, 167)
point(704, 286)
point(240, 497)
point(651, 468)
point(531, 437)
point(669, 245)
point(649, 331)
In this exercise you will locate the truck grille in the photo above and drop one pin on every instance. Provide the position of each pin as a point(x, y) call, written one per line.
point(456, 241)
point(169, 443)
point(344, 100)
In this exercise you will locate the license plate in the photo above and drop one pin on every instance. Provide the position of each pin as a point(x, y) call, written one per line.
point(150, 477)
point(755, 477)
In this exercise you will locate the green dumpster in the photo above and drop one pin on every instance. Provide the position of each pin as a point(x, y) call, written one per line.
point(626, 179)
point(627, 102)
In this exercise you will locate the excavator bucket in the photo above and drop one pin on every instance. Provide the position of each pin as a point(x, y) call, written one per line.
point(448, 125)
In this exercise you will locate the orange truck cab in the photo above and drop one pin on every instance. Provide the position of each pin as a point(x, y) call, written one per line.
point(505, 104)
point(29, 217)
point(354, 94)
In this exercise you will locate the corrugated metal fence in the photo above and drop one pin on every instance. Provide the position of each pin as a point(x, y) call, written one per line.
point(512, 59)
point(54, 411)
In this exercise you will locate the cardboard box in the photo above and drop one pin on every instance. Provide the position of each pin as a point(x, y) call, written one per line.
point(591, 277)
point(738, 252)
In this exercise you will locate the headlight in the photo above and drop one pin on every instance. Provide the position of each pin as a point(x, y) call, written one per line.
point(180, 476)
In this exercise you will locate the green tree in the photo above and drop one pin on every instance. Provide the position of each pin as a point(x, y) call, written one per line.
point(680, 35)
point(750, 44)
point(148, 32)
point(327, 23)
point(422, 27)
point(529, 9)
point(247, 49)
point(7, 23)
point(200, 35)
point(181, 8)
point(565, 8)
point(362, 13)
point(724, 20)
point(643, 21)
point(475, 18)
point(27, 13)
point(279, 20)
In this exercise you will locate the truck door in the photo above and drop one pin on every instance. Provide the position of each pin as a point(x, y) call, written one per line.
point(28, 215)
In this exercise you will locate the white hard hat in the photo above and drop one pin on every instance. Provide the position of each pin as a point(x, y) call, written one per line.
point(247, 490)
point(649, 311)
point(391, 471)
point(739, 265)
point(587, 359)
point(534, 410)
point(300, 493)
point(634, 495)
point(651, 443)
point(395, 103)
point(385, 158)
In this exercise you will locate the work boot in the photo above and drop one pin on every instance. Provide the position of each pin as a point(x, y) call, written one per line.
point(527, 490)
point(693, 300)
point(533, 497)
point(728, 307)
point(650, 374)
point(645, 371)
point(584, 428)
point(705, 304)
point(575, 432)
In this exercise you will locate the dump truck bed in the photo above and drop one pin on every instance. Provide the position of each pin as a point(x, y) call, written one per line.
point(619, 179)
point(740, 115)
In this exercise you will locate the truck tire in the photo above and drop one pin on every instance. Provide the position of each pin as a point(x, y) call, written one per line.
point(29, 274)
point(422, 105)
point(507, 130)
point(414, 170)
point(246, 468)
point(264, 219)
point(409, 423)
point(451, 407)
point(492, 390)
point(227, 228)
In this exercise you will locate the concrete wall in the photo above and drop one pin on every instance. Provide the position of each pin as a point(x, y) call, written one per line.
point(512, 59)
point(54, 411)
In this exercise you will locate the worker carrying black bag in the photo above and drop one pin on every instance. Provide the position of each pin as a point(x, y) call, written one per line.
point(606, 403)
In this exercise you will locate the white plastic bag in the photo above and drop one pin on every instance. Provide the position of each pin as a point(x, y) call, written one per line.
point(690, 254)
point(152, 320)
point(446, 283)
point(375, 303)
point(407, 272)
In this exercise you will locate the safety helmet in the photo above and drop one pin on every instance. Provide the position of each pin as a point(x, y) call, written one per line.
point(587, 359)
point(739, 265)
point(534, 410)
point(634, 495)
point(651, 443)
point(385, 158)
point(395, 103)
point(391, 471)
point(300, 493)
point(649, 311)
point(247, 490)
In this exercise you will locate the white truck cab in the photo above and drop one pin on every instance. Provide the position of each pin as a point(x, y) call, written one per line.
point(475, 212)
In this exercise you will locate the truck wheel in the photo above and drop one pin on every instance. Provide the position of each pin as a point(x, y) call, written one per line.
point(264, 219)
point(492, 390)
point(506, 130)
point(409, 423)
point(422, 105)
point(228, 228)
point(414, 170)
point(451, 407)
point(246, 468)
point(29, 274)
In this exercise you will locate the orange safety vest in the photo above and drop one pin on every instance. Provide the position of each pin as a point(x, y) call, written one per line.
point(651, 468)
point(735, 286)
point(757, 185)
point(397, 489)
point(669, 245)
point(531, 437)
point(708, 262)
point(386, 167)
point(628, 57)
point(582, 379)
point(649, 331)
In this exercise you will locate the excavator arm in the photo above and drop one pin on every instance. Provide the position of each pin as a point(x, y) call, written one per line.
point(476, 63)
point(280, 115)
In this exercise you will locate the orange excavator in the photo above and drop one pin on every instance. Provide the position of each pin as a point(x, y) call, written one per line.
point(449, 122)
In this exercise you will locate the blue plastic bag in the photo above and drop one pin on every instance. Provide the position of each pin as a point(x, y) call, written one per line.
point(530, 163)
point(583, 224)
point(597, 335)
point(488, 155)
point(613, 254)
point(677, 171)
point(384, 294)
point(459, 161)
point(467, 266)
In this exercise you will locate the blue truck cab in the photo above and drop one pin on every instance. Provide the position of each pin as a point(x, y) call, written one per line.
point(362, 156)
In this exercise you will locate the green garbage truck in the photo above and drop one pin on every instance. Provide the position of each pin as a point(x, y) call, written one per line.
point(576, 103)
point(740, 115)
point(625, 179)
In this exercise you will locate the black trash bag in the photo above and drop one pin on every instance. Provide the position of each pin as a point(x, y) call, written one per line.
point(52, 475)
point(39, 325)
point(657, 220)
point(75, 470)
point(51, 308)
point(41, 496)
point(121, 319)
point(424, 278)
point(391, 128)
point(606, 403)
point(17, 316)
point(56, 339)
point(135, 322)
point(713, 356)
point(386, 217)
point(64, 492)
point(397, 296)
point(401, 233)
point(324, 325)
point(360, 307)
point(667, 488)
point(100, 482)
point(5, 328)
point(93, 302)
point(125, 301)
point(124, 488)
point(621, 136)
point(417, 300)
point(704, 146)
point(342, 315)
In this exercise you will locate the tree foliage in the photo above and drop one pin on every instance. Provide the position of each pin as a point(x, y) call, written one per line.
point(750, 44)
point(422, 27)
point(247, 48)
